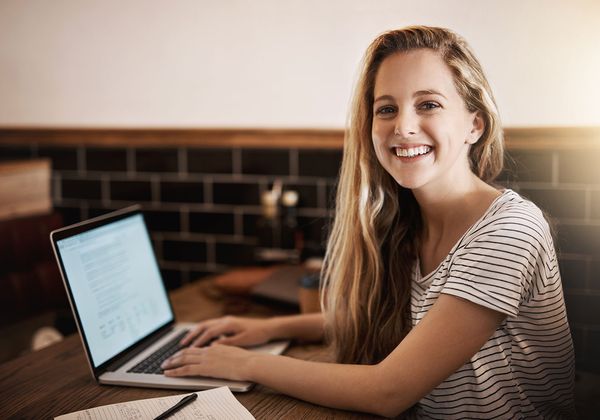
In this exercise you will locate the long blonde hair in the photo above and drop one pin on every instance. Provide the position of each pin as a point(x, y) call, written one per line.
point(373, 243)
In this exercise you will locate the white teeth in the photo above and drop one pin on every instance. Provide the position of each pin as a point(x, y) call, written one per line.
point(412, 152)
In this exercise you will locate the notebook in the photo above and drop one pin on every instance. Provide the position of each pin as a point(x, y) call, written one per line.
point(121, 306)
point(218, 403)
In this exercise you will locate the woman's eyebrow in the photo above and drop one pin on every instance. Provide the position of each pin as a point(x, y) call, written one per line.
point(428, 92)
point(416, 94)
point(384, 98)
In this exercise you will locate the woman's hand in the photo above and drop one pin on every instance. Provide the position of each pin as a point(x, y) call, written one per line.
point(230, 330)
point(215, 361)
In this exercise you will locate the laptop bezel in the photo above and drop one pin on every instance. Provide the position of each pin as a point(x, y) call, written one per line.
point(84, 226)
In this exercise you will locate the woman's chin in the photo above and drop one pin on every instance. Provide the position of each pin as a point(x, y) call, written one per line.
point(409, 183)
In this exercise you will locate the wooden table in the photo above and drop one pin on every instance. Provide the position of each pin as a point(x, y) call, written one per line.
point(57, 380)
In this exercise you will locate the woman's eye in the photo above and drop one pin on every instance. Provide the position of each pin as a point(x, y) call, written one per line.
point(385, 110)
point(429, 105)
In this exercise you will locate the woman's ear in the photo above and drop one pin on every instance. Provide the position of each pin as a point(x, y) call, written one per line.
point(477, 128)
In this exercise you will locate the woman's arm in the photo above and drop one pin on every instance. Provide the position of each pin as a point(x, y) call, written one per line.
point(447, 337)
point(304, 327)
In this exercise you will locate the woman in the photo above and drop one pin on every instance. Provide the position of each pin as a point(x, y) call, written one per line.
point(440, 291)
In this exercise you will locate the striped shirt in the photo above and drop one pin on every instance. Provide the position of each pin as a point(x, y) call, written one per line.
point(506, 262)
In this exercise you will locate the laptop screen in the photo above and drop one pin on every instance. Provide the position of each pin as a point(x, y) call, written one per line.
point(116, 285)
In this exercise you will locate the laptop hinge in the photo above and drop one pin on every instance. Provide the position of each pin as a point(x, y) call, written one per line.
point(116, 365)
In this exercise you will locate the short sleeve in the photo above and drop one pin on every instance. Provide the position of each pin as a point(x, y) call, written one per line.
point(498, 264)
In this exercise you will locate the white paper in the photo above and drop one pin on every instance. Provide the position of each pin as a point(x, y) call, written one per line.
point(213, 404)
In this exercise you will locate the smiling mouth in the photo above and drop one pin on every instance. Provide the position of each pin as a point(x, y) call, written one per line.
point(411, 152)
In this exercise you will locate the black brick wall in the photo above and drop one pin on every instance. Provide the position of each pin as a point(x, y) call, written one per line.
point(202, 206)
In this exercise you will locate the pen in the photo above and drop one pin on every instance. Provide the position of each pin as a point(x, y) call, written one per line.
point(185, 401)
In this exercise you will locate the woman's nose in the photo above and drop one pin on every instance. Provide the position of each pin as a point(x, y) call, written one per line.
point(406, 125)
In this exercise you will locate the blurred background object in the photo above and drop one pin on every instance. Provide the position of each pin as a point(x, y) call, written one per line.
point(24, 188)
point(31, 290)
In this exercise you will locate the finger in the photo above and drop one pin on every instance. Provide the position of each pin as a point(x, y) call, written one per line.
point(188, 351)
point(188, 370)
point(200, 328)
point(181, 360)
point(213, 332)
point(197, 330)
point(230, 340)
point(173, 356)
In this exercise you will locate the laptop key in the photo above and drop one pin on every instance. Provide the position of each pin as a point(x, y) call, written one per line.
point(152, 363)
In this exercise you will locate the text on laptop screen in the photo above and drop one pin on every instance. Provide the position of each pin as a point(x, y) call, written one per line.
point(116, 285)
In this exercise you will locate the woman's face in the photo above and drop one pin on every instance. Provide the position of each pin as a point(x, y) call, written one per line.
point(421, 128)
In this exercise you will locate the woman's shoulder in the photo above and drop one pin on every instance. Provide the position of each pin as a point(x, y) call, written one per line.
point(511, 215)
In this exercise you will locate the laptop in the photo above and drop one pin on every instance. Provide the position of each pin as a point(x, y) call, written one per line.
point(121, 306)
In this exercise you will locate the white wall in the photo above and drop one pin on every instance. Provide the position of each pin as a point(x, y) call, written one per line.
point(274, 63)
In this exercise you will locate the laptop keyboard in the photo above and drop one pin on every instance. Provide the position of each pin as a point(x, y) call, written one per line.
point(152, 363)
